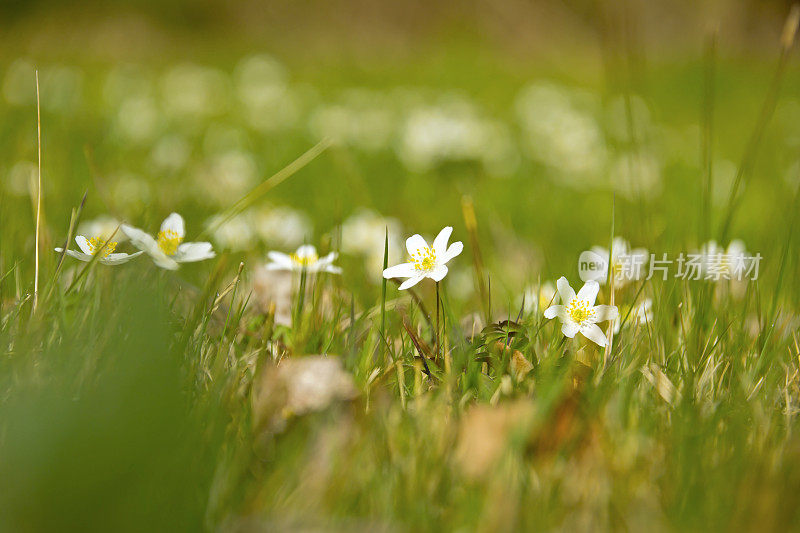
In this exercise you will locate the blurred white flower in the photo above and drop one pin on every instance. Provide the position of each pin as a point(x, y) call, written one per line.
point(282, 226)
point(426, 261)
point(19, 83)
point(578, 313)
point(220, 138)
point(268, 102)
point(627, 265)
point(102, 227)
point(63, 85)
point(640, 315)
point(171, 153)
point(228, 177)
point(304, 259)
point(235, 234)
point(719, 264)
point(21, 180)
point(560, 131)
point(97, 245)
point(137, 119)
point(454, 131)
point(126, 81)
point(539, 298)
point(259, 80)
point(461, 281)
point(193, 91)
point(274, 290)
point(364, 233)
point(364, 119)
point(168, 249)
point(636, 173)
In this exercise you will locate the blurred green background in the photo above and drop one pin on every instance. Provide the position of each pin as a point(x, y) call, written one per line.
point(540, 111)
point(553, 117)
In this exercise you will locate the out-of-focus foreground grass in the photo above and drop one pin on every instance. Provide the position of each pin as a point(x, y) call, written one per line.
point(137, 399)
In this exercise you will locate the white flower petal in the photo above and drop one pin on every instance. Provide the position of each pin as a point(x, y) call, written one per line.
point(174, 222)
point(455, 249)
point(118, 259)
point(403, 270)
point(140, 239)
point(569, 329)
point(414, 243)
point(77, 255)
point(83, 244)
point(407, 284)
point(438, 273)
point(332, 269)
point(554, 311)
point(330, 258)
point(281, 259)
point(440, 242)
point(306, 250)
point(619, 247)
point(594, 334)
point(279, 266)
point(564, 290)
point(605, 312)
point(589, 292)
point(326, 261)
point(165, 262)
point(146, 242)
point(190, 252)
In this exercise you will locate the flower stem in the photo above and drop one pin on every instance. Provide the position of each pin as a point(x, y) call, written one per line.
point(438, 344)
point(383, 285)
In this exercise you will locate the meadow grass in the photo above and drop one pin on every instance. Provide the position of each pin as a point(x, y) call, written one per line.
point(133, 398)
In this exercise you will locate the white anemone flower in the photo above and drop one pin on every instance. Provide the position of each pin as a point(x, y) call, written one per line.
point(426, 261)
point(98, 245)
point(167, 249)
point(578, 313)
point(304, 259)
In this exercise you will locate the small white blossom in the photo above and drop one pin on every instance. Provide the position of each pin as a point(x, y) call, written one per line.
point(305, 258)
point(94, 245)
point(578, 313)
point(167, 249)
point(426, 261)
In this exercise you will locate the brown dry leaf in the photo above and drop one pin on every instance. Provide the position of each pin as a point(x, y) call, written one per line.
point(485, 434)
point(298, 386)
point(520, 366)
point(661, 382)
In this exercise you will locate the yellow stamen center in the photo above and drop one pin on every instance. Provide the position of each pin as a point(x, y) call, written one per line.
point(96, 243)
point(168, 241)
point(579, 310)
point(424, 259)
point(305, 260)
